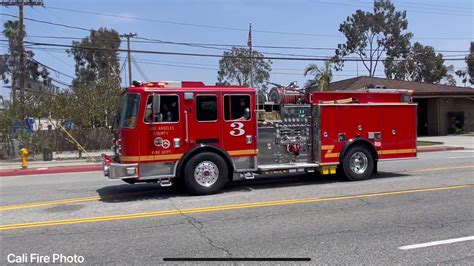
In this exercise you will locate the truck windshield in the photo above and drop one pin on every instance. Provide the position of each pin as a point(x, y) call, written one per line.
point(129, 110)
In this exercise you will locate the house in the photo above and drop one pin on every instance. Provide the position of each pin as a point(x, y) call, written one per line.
point(442, 109)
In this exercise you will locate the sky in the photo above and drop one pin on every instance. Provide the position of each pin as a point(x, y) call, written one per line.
point(445, 25)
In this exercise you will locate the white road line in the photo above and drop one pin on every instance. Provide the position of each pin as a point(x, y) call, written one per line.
point(459, 157)
point(436, 243)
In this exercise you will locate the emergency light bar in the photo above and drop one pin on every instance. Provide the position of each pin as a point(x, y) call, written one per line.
point(168, 84)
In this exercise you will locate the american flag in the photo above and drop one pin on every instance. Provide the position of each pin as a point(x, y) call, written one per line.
point(249, 41)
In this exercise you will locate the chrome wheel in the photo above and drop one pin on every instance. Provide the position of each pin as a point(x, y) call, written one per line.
point(358, 162)
point(206, 173)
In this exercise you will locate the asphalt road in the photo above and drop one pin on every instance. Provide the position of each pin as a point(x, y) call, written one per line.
point(322, 218)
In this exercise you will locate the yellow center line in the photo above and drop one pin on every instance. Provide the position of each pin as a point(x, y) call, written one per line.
point(73, 200)
point(220, 208)
point(444, 168)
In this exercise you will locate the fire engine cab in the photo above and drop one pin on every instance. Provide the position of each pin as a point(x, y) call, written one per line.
point(206, 136)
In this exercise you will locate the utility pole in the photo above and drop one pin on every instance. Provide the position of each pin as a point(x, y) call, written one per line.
point(22, 54)
point(249, 44)
point(129, 55)
point(21, 50)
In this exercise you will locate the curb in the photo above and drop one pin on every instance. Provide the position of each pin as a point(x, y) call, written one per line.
point(50, 170)
point(438, 148)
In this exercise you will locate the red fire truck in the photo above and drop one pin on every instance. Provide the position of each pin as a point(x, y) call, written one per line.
point(209, 135)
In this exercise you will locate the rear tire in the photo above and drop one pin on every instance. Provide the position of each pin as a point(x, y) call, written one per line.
point(358, 163)
point(205, 173)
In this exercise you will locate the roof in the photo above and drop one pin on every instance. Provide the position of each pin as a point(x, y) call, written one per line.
point(232, 89)
point(419, 88)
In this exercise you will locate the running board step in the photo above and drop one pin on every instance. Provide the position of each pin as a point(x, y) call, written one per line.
point(284, 166)
point(247, 175)
point(165, 182)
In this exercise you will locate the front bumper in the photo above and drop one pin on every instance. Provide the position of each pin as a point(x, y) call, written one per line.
point(117, 171)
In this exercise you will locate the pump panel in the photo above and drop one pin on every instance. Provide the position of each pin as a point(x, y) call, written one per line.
point(287, 140)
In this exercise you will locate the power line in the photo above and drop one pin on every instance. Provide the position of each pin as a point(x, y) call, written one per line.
point(215, 69)
point(201, 44)
point(139, 69)
point(60, 82)
point(53, 69)
point(431, 4)
point(283, 54)
point(146, 19)
point(199, 66)
point(232, 28)
point(150, 40)
point(49, 22)
point(430, 7)
point(423, 10)
point(315, 58)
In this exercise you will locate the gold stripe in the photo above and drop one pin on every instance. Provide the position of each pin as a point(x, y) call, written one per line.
point(327, 147)
point(242, 152)
point(383, 152)
point(331, 155)
point(220, 208)
point(178, 156)
point(151, 157)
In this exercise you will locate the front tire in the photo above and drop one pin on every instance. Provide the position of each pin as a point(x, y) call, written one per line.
point(205, 173)
point(358, 163)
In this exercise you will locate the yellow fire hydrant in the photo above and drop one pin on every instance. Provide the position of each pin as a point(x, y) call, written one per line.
point(24, 158)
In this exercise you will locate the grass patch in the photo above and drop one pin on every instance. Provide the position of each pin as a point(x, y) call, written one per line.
point(428, 143)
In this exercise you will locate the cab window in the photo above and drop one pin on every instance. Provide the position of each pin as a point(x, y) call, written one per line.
point(206, 108)
point(166, 109)
point(128, 114)
point(237, 107)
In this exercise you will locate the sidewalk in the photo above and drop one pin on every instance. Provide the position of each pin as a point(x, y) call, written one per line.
point(451, 142)
point(64, 164)
point(50, 170)
point(47, 164)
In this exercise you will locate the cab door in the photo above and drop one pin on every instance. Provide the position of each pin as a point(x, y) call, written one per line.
point(161, 139)
point(203, 119)
point(240, 128)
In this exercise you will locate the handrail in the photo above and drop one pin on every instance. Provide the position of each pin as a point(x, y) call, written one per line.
point(186, 126)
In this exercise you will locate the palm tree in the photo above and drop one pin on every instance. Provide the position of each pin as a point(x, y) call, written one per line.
point(11, 30)
point(322, 76)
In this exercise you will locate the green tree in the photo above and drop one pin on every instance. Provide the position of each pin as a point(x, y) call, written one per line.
point(322, 76)
point(11, 30)
point(236, 65)
point(470, 63)
point(96, 57)
point(421, 64)
point(95, 89)
point(370, 35)
point(37, 78)
point(467, 74)
point(93, 105)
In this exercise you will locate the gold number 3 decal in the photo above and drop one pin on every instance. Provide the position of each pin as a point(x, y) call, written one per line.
point(237, 129)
